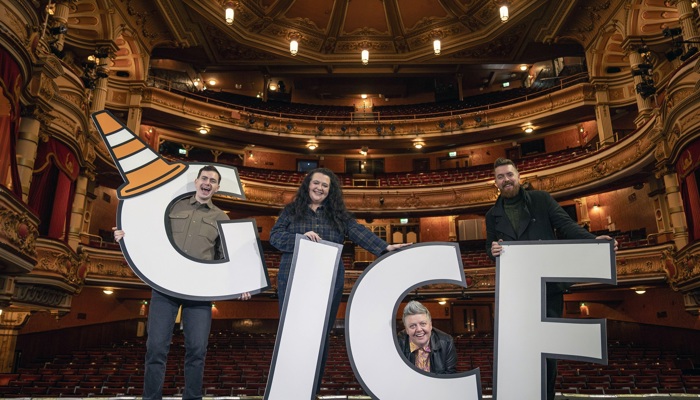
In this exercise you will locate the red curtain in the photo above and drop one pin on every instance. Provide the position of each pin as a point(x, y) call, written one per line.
point(10, 84)
point(688, 168)
point(53, 188)
point(691, 196)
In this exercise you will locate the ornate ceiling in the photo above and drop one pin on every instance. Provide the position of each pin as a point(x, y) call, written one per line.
point(399, 35)
point(476, 45)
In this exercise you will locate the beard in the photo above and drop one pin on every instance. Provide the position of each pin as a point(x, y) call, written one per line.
point(510, 191)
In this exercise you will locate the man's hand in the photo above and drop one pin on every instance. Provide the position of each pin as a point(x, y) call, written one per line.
point(496, 248)
point(606, 237)
point(245, 296)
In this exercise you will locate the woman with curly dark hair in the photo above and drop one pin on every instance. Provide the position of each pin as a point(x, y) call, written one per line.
point(318, 212)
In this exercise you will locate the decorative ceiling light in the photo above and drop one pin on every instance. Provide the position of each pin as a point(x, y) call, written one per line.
point(503, 11)
point(418, 145)
point(212, 82)
point(294, 47)
point(365, 57)
point(312, 146)
point(107, 291)
point(436, 46)
point(203, 130)
point(528, 128)
point(229, 13)
point(364, 96)
point(640, 289)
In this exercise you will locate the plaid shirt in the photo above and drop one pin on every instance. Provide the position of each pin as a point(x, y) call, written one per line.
point(284, 233)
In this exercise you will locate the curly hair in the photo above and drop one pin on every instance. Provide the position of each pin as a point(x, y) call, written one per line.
point(334, 204)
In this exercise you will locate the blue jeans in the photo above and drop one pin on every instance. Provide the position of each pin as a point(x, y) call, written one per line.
point(196, 320)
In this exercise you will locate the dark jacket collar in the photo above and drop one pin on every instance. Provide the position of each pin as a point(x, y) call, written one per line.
point(502, 222)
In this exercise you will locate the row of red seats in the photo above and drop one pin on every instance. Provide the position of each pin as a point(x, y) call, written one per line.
point(117, 369)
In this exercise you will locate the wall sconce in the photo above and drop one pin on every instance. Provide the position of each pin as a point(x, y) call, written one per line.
point(381, 200)
point(503, 12)
point(294, 47)
point(250, 154)
point(583, 308)
point(365, 57)
point(312, 146)
point(229, 13)
point(436, 46)
point(272, 86)
point(364, 150)
point(523, 67)
point(203, 130)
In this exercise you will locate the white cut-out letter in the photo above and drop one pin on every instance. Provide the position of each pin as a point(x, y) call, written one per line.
point(525, 337)
point(302, 331)
point(371, 325)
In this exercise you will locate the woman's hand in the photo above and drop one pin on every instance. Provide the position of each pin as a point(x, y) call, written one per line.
point(397, 246)
point(118, 234)
point(245, 296)
point(313, 236)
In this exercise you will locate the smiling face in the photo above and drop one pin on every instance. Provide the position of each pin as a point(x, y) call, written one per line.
point(418, 327)
point(206, 184)
point(507, 180)
point(319, 186)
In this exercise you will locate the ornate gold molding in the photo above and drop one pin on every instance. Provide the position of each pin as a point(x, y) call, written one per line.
point(20, 232)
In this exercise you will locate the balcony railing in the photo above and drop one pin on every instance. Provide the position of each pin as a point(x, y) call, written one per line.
point(321, 113)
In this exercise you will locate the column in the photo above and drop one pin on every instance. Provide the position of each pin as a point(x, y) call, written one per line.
point(459, 87)
point(60, 18)
point(675, 209)
point(686, 18)
point(657, 194)
point(133, 121)
point(602, 111)
point(452, 228)
point(77, 212)
point(99, 94)
point(584, 217)
point(10, 324)
point(643, 105)
point(27, 144)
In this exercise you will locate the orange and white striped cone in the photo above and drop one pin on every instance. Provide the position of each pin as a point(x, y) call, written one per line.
point(141, 168)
